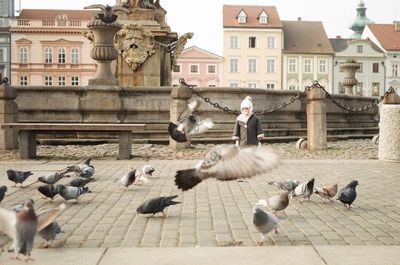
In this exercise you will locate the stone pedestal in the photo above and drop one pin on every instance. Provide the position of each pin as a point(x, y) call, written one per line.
point(389, 132)
point(316, 120)
point(349, 79)
point(180, 96)
point(8, 114)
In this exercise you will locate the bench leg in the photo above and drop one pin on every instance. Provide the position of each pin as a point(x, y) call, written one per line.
point(125, 145)
point(27, 144)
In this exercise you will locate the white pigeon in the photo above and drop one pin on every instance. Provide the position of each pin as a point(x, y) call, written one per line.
point(127, 179)
point(263, 220)
point(142, 176)
point(304, 190)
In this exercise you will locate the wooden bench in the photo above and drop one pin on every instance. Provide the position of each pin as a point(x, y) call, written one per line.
point(27, 134)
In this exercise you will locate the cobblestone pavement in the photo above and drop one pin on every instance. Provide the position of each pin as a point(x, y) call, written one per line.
point(220, 213)
point(350, 149)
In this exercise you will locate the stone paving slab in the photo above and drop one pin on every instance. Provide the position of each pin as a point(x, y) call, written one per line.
point(219, 213)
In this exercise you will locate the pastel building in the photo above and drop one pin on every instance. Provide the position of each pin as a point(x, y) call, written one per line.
point(49, 49)
point(199, 68)
point(252, 46)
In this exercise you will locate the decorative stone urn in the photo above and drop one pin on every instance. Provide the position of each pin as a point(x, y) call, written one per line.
point(103, 51)
point(349, 68)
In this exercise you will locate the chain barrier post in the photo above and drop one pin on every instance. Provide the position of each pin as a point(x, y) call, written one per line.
point(316, 118)
point(389, 128)
point(179, 98)
point(8, 114)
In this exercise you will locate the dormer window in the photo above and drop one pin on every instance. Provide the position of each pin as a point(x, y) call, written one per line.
point(263, 18)
point(242, 18)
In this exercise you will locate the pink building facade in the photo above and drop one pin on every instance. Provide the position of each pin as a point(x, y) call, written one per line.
point(199, 68)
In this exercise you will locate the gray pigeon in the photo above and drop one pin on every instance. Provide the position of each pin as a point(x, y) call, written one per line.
point(156, 205)
point(304, 190)
point(71, 193)
point(49, 191)
point(52, 178)
point(278, 202)
point(3, 190)
point(80, 182)
point(18, 176)
point(127, 179)
point(288, 185)
point(263, 220)
point(85, 169)
point(50, 232)
point(348, 194)
point(228, 162)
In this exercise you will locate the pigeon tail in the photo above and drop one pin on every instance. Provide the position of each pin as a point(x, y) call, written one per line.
point(187, 179)
point(175, 134)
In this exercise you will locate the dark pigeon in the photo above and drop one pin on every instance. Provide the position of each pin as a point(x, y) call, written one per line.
point(48, 190)
point(26, 226)
point(80, 182)
point(348, 194)
point(18, 176)
point(3, 190)
point(50, 232)
point(156, 205)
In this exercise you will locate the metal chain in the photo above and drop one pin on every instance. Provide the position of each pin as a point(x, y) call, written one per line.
point(233, 111)
point(348, 108)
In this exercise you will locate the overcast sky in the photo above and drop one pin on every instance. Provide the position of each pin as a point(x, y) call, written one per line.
point(204, 17)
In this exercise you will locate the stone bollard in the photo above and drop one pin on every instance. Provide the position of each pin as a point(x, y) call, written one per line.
point(389, 129)
point(8, 114)
point(316, 119)
point(180, 96)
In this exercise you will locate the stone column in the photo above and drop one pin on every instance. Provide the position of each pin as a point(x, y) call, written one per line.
point(349, 80)
point(8, 114)
point(389, 129)
point(180, 96)
point(316, 120)
point(103, 51)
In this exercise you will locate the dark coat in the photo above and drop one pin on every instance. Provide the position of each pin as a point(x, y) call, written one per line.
point(247, 133)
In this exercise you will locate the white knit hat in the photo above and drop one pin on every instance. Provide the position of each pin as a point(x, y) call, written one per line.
point(247, 103)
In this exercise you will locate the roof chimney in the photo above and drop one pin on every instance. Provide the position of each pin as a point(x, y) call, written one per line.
point(298, 18)
point(338, 37)
point(397, 25)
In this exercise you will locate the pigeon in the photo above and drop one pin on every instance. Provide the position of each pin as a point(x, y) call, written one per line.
point(22, 226)
point(18, 176)
point(304, 190)
point(50, 232)
point(288, 185)
point(85, 169)
point(278, 202)
point(71, 193)
point(3, 190)
point(327, 192)
point(49, 191)
point(148, 170)
point(107, 12)
point(228, 162)
point(156, 205)
point(142, 176)
point(189, 123)
point(52, 178)
point(348, 194)
point(127, 179)
point(80, 182)
point(263, 220)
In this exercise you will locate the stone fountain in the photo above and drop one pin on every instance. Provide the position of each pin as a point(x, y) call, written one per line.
point(349, 68)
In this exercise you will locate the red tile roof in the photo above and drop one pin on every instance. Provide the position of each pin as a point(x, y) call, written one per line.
point(53, 13)
point(230, 14)
point(387, 35)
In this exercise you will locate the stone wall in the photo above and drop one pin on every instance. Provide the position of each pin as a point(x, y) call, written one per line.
point(151, 105)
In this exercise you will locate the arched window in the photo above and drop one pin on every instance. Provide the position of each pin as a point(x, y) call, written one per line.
point(23, 55)
point(48, 55)
point(61, 55)
point(74, 56)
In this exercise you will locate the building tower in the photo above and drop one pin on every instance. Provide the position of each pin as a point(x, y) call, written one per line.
point(359, 23)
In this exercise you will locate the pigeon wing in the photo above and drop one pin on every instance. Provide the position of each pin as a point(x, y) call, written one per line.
point(46, 217)
point(175, 134)
point(7, 222)
point(95, 6)
point(192, 106)
point(202, 126)
point(230, 162)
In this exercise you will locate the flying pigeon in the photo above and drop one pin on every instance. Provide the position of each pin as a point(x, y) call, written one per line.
point(49, 191)
point(18, 176)
point(228, 162)
point(156, 205)
point(189, 123)
point(50, 232)
point(143, 174)
point(71, 193)
point(288, 185)
point(107, 12)
point(348, 194)
point(278, 202)
point(80, 182)
point(3, 190)
point(263, 220)
point(22, 226)
point(85, 170)
point(304, 190)
point(52, 178)
point(127, 179)
point(327, 192)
